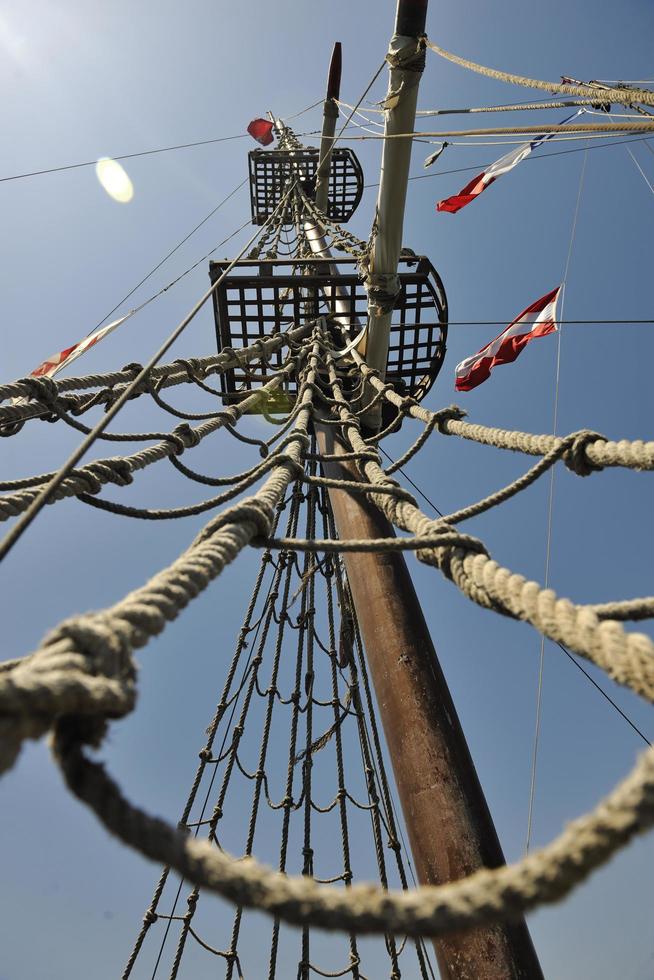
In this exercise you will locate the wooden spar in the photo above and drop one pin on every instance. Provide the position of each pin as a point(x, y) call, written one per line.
point(450, 828)
point(330, 115)
point(400, 116)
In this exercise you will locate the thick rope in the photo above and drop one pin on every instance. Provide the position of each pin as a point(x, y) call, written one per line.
point(97, 682)
point(617, 95)
point(84, 666)
point(42, 392)
point(486, 896)
point(588, 452)
point(90, 478)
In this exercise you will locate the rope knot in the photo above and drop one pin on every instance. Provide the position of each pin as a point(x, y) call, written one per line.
point(133, 368)
point(187, 434)
point(115, 470)
point(43, 389)
point(92, 483)
point(193, 367)
point(11, 428)
point(150, 917)
point(445, 415)
point(575, 457)
point(101, 641)
point(445, 540)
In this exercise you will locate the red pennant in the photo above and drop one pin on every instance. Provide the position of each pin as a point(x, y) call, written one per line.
point(261, 130)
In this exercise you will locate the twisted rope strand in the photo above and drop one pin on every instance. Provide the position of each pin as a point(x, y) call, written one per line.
point(618, 95)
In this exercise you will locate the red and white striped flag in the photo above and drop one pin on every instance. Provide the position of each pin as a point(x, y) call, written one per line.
point(497, 169)
point(537, 320)
point(57, 362)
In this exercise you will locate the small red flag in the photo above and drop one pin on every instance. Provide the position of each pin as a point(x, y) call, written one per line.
point(261, 130)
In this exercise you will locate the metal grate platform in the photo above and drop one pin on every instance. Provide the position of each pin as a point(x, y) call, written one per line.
point(263, 297)
point(270, 171)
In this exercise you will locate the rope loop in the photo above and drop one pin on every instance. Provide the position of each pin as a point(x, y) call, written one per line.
point(10, 429)
point(575, 457)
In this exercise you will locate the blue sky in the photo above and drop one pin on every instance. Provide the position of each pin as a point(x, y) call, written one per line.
point(83, 81)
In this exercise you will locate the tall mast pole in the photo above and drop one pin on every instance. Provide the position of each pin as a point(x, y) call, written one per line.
point(406, 58)
point(450, 828)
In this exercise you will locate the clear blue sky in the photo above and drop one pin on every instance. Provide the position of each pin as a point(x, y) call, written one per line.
point(81, 81)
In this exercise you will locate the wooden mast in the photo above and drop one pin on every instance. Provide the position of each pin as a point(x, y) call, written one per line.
point(448, 821)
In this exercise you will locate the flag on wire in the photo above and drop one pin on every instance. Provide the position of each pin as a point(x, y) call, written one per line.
point(501, 166)
point(57, 362)
point(537, 320)
point(261, 130)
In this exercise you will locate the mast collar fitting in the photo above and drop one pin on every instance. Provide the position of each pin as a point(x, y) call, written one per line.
point(406, 53)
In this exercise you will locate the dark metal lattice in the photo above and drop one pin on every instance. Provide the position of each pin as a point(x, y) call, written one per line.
point(263, 297)
point(271, 170)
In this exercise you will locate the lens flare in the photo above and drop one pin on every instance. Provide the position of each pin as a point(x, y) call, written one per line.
point(114, 180)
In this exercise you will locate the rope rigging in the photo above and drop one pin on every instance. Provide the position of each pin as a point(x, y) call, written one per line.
point(583, 91)
point(295, 666)
point(594, 632)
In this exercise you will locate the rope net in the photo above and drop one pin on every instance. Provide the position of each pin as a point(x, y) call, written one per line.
point(295, 722)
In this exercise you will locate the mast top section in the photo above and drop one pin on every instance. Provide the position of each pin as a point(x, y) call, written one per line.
point(334, 77)
point(411, 17)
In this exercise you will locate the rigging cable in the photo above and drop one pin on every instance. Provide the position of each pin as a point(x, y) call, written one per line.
point(538, 156)
point(614, 95)
point(144, 153)
point(172, 252)
point(642, 172)
point(46, 494)
point(218, 715)
point(529, 106)
point(563, 648)
point(550, 506)
point(534, 130)
point(122, 156)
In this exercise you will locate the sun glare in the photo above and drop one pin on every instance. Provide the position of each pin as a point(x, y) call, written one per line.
point(114, 180)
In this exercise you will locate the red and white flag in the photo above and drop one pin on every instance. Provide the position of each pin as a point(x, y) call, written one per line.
point(57, 362)
point(261, 130)
point(537, 320)
point(497, 169)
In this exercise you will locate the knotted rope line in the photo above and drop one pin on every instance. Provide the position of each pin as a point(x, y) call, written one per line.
point(39, 394)
point(83, 675)
point(618, 95)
